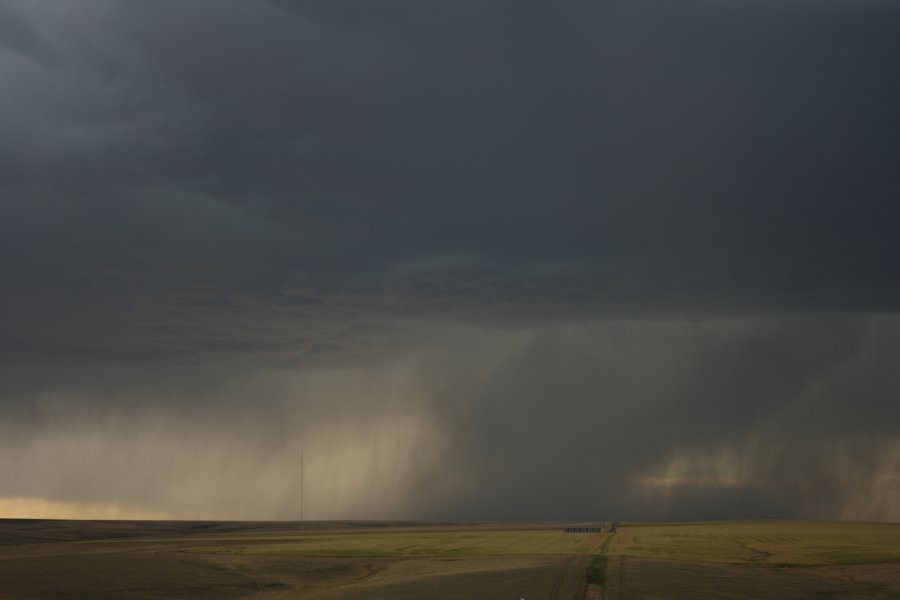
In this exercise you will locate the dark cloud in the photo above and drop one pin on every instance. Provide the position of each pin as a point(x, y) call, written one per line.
point(206, 190)
point(732, 418)
point(731, 156)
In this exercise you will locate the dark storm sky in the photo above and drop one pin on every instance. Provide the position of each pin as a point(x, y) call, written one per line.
point(472, 253)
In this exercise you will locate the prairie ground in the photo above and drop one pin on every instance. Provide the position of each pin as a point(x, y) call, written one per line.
point(755, 559)
point(779, 543)
point(332, 561)
point(106, 560)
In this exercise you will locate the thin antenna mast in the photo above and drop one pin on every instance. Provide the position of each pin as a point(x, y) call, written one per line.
point(301, 480)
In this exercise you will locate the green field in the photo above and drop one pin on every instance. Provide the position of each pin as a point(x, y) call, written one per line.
point(394, 561)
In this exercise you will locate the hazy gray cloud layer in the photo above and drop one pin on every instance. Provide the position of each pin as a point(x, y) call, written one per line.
point(722, 418)
point(429, 219)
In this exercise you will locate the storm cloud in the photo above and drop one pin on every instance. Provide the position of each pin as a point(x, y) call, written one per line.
point(487, 259)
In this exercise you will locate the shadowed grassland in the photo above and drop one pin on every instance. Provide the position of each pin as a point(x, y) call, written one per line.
point(67, 560)
point(596, 572)
point(638, 578)
point(445, 543)
point(541, 577)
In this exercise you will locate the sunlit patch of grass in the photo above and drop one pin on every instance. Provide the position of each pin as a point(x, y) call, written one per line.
point(418, 544)
point(772, 542)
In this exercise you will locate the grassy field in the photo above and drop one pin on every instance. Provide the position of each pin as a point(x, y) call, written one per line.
point(755, 559)
point(106, 560)
point(331, 561)
point(781, 543)
point(441, 543)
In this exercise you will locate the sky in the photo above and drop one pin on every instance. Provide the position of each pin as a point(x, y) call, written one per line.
point(493, 260)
